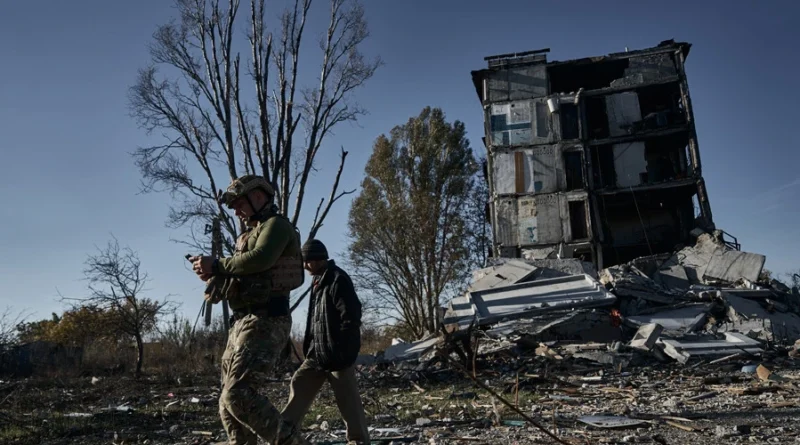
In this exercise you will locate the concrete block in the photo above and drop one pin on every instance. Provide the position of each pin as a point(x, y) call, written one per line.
point(646, 336)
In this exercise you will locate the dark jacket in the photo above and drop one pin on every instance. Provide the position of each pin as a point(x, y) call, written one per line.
point(333, 326)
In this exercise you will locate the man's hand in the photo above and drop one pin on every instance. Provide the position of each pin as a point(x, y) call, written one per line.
point(201, 265)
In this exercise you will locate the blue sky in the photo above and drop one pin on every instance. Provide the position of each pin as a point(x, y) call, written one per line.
point(68, 181)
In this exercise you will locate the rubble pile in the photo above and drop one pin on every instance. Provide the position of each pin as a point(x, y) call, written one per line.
point(652, 325)
point(701, 302)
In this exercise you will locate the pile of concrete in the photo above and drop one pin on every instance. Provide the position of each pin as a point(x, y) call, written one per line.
point(703, 302)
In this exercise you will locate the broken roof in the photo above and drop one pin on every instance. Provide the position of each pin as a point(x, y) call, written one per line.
point(536, 57)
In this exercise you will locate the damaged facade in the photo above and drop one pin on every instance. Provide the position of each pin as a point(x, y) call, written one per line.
point(595, 158)
point(603, 232)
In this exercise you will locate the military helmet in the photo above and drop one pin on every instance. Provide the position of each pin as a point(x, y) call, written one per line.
point(242, 185)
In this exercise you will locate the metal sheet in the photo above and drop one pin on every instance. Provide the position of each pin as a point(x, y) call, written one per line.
point(610, 421)
point(526, 299)
point(407, 351)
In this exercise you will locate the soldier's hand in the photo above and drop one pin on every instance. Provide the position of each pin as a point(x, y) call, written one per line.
point(201, 265)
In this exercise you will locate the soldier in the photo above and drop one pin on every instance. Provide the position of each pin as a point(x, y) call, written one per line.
point(331, 344)
point(257, 279)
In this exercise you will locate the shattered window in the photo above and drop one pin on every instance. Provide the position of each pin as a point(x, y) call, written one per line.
point(569, 121)
point(573, 167)
point(577, 220)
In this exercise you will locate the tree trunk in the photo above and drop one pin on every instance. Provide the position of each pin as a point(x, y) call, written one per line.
point(139, 355)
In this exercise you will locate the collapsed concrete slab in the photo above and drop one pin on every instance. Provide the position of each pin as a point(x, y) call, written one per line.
point(677, 321)
point(711, 260)
point(532, 298)
point(646, 337)
point(729, 266)
point(581, 324)
point(684, 349)
point(752, 319)
point(629, 281)
point(510, 272)
point(525, 300)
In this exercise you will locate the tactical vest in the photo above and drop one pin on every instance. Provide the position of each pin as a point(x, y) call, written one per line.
point(284, 276)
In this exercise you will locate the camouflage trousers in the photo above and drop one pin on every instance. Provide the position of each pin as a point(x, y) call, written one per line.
point(254, 344)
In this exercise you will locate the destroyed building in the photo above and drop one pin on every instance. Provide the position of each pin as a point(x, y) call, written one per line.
point(603, 231)
point(595, 158)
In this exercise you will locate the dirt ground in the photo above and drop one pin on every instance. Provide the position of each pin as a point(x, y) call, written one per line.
point(665, 404)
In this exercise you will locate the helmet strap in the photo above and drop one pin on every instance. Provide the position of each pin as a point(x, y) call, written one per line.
point(256, 216)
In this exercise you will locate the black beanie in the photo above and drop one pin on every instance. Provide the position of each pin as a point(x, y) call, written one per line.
point(313, 250)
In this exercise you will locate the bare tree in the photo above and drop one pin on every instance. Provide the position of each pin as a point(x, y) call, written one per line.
point(9, 323)
point(116, 284)
point(214, 130)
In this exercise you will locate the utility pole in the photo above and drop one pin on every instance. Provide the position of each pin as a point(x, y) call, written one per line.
point(216, 252)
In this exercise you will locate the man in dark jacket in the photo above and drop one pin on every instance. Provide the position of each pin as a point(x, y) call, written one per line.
point(331, 345)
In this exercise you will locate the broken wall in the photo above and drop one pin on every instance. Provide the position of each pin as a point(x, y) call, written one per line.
point(650, 161)
point(545, 219)
point(520, 123)
point(540, 169)
point(645, 222)
point(617, 71)
point(542, 219)
point(622, 110)
point(629, 163)
point(517, 82)
point(647, 68)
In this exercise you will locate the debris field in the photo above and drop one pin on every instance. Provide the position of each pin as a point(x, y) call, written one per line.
point(689, 347)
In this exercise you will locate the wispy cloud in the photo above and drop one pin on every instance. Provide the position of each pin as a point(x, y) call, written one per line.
point(786, 186)
point(776, 197)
